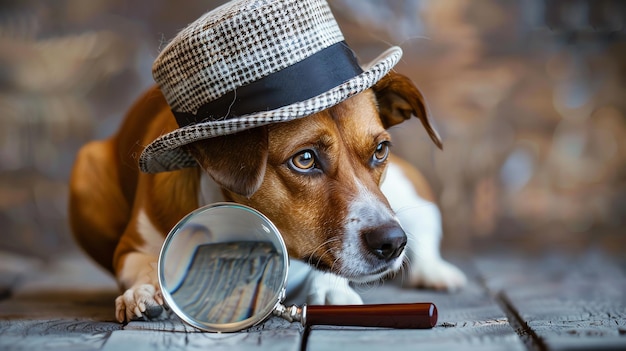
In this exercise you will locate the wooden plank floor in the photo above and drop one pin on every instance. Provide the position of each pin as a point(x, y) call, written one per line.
point(513, 302)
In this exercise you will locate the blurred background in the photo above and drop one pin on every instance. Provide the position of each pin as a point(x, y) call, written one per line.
point(529, 96)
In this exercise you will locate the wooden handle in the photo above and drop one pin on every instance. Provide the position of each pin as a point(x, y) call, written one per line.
point(405, 316)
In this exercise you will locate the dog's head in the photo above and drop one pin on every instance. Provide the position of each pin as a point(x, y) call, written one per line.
point(317, 178)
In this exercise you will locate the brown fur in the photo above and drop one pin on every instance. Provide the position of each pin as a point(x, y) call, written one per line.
point(345, 136)
point(108, 190)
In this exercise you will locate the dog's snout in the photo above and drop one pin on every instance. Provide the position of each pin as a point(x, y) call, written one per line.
point(386, 242)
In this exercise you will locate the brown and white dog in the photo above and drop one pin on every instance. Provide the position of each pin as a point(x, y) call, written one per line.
point(327, 181)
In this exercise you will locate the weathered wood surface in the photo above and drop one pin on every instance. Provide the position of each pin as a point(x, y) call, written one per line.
point(54, 334)
point(469, 320)
point(563, 302)
point(513, 302)
point(69, 305)
point(61, 305)
point(287, 339)
point(274, 334)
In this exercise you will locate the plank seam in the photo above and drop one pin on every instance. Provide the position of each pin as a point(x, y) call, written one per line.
point(305, 338)
point(531, 340)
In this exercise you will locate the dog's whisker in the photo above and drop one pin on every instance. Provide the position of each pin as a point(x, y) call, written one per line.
point(405, 269)
point(319, 247)
point(334, 262)
point(407, 262)
point(332, 251)
point(408, 208)
point(319, 258)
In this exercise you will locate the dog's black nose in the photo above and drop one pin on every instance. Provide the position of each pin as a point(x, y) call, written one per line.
point(386, 242)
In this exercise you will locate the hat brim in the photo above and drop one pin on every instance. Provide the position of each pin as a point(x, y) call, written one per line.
point(165, 153)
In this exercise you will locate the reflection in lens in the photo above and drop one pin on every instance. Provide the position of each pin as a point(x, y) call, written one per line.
point(227, 282)
point(179, 251)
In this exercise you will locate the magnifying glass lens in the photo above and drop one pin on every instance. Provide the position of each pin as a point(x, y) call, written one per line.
point(223, 268)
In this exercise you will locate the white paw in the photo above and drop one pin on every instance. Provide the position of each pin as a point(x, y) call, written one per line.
point(139, 302)
point(329, 289)
point(436, 274)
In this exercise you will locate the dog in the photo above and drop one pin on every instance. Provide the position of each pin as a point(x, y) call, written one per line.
point(328, 181)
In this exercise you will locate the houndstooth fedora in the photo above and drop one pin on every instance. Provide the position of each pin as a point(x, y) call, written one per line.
point(251, 63)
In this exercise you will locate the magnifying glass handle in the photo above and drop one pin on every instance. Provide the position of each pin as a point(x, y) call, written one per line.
point(404, 315)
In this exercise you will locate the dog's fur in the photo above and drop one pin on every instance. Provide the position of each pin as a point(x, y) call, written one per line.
point(332, 216)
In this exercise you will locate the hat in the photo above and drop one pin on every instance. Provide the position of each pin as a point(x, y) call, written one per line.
point(250, 63)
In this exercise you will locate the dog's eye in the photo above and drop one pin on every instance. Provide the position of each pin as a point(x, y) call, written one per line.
point(303, 161)
point(381, 153)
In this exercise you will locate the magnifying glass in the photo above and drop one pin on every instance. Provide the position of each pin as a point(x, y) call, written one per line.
point(224, 267)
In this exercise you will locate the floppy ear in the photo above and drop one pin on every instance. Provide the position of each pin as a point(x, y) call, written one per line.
point(399, 99)
point(236, 162)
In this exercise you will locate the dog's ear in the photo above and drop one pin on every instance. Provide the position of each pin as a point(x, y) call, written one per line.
point(398, 99)
point(236, 162)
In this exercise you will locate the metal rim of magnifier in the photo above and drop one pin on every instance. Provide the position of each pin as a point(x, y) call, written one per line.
point(224, 327)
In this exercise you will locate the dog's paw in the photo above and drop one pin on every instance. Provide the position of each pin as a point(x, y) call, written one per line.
point(142, 302)
point(330, 289)
point(436, 274)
